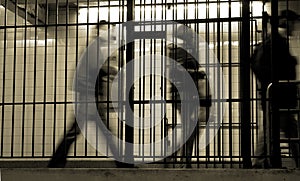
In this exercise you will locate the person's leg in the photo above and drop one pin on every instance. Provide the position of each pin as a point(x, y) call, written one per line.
point(110, 118)
point(59, 158)
point(188, 148)
point(260, 160)
point(260, 152)
point(290, 128)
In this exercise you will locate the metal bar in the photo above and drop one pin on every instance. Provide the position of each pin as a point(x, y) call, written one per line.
point(121, 81)
point(66, 75)
point(252, 77)
point(218, 80)
point(207, 58)
point(4, 78)
point(215, 143)
point(245, 86)
point(189, 21)
point(14, 87)
point(45, 84)
point(129, 131)
point(87, 44)
point(198, 131)
point(34, 81)
point(108, 72)
point(24, 85)
point(76, 60)
point(150, 35)
point(230, 86)
point(98, 54)
point(91, 1)
point(55, 77)
point(144, 78)
point(140, 134)
point(275, 153)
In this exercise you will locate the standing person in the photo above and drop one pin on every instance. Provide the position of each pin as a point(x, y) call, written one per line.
point(180, 53)
point(283, 96)
point(105, 77)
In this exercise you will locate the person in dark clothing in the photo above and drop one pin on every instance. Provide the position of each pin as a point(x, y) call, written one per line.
point(284, 96)
point(183, 53)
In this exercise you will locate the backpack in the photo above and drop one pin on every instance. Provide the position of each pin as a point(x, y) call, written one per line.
point(263, 67)
point(261, 62)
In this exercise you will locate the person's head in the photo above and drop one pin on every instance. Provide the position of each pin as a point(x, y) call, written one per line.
point(103, 25)
point(287, 20)
point(185, 33)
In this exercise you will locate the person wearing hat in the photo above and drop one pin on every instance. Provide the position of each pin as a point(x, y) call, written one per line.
point(287, 21)
point(283, 96)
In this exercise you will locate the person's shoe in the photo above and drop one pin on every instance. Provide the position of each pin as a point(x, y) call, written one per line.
point(124, 165)
point(56, 164)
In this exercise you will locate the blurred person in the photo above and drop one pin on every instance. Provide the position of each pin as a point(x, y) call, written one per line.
point(105, 77)
point(283, 96)
point(180, 53)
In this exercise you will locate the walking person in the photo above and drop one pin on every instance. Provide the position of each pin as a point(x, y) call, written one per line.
point(104, 80)
point(284, 96)
point(180, 53)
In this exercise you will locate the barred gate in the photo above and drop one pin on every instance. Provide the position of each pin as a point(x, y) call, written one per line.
point(41, 43)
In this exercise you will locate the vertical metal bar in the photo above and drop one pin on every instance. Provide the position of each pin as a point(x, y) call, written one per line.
point(219, 142)
point(129, 131)
point(3, 77)
point(163, 83)
point(252, 104)
point(215, 82)
point(198, 128)
point(144, 78)
point(174, 94)
point(76, 60)
point(24, 83)
point(186, 124)
point(98, 55)
point(66, 72)
point(108, 69)
point(45, 80)
point(154, 81)
point(87, 44)
point(298, 120)
point(120, 83)
point(151, 83)
point(55, 75)
point(14, 84)
point(34, 79)
point(230, 86)
point(140, 134)
point(245, 85)
point(219, 108)
point(275, 127)
point(207, 70)
point(121, 80)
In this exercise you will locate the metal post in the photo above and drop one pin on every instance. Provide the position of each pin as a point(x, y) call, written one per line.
point(129, 131)
point(245, 85)
point(275, 127)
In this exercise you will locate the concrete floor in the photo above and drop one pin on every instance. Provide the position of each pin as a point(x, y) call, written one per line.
point(89, 174)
